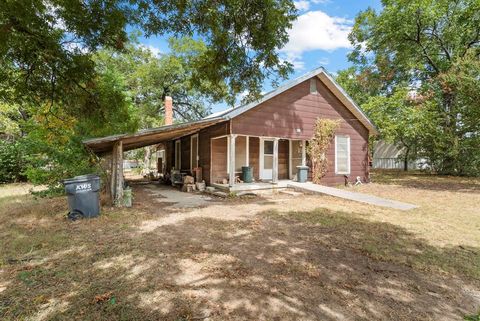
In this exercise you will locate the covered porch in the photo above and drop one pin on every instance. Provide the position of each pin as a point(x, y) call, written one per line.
point(273, 161)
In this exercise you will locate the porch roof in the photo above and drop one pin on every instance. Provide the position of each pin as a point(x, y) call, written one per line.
point(148, 137)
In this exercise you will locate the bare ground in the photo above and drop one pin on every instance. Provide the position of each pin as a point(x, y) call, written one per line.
point(277, 257)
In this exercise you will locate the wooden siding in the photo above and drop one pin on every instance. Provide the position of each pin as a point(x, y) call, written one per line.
point(185, 147)
point(169, 155)
point(254, 156)
point(240, 153)
point(204, 138)
point(297, 108)
point(283, 159)
point(219, 159)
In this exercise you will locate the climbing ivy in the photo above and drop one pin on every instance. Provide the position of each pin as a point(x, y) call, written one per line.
point(324, 132)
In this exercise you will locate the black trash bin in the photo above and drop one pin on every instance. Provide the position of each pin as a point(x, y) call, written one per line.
point(83, 195)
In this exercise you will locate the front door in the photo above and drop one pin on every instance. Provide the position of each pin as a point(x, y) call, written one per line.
point(266, 159)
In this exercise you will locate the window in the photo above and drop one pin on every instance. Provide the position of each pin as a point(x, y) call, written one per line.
point(342, 154)
point(178, 151)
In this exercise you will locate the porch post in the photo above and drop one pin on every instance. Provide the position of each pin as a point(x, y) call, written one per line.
point(231, 174)
point(304, 153)
point(275, 161)
point(116, 183)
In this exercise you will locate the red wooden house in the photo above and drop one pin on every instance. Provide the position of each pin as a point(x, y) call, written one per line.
point(269, 135)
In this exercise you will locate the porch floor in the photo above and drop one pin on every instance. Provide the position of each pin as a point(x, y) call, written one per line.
point(241, 187)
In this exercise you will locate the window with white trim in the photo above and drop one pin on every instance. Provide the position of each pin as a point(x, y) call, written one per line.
point(342, 154)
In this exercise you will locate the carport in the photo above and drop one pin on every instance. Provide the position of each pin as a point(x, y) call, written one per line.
point(115, 145)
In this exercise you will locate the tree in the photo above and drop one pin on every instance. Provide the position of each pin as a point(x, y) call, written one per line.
point(47, 47)
point(149, 79)
point(404, 120)
point(422, 45)
point(49, 138)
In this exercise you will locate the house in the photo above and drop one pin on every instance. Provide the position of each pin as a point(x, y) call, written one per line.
point(392, 156)
point(270, 135)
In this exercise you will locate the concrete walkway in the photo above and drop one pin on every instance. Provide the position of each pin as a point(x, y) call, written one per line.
point(353, 196)
point(168, 194)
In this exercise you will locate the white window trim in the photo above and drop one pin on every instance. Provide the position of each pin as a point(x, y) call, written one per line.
point(191, 152)
point(179, 156)
point(348, 155)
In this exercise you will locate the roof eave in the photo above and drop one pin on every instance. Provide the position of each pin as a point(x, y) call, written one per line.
point(372, 129)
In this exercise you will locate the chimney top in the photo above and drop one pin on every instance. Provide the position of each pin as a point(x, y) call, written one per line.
point(168, 110)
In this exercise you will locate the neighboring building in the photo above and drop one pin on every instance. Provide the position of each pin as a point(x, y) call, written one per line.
point(390, 156)
point(270, 135)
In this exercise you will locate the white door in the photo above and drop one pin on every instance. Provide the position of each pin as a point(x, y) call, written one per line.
point(266, 159)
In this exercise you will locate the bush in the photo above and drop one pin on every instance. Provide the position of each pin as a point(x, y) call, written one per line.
point(12, 162)
point(51, 162)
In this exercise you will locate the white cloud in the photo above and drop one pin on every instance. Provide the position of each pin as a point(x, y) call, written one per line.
point(323, 61)
point(321, 1)
point(315, 30)
point(295, 59)
point(302, 5)
point(154, 50)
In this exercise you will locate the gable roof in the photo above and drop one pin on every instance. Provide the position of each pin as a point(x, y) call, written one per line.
point(156, 135)
point(325, 78)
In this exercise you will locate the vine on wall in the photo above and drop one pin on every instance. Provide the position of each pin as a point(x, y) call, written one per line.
point(324, 132)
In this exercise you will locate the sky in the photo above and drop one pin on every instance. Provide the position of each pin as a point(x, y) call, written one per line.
point(317, 38)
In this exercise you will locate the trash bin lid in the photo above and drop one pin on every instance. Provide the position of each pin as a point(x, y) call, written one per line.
point(302, 167)
point(81, 178)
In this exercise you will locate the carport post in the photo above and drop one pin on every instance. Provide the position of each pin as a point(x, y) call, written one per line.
point(231, 165)
point(116, 182)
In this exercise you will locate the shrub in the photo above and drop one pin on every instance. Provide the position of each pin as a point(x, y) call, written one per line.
point(12, 162)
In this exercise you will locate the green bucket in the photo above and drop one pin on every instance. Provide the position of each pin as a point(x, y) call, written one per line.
point(247, 174)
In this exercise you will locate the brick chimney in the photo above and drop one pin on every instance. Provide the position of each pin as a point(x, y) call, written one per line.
point(168, 110)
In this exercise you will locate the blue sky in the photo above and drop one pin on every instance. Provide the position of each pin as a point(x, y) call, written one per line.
point(318, 37)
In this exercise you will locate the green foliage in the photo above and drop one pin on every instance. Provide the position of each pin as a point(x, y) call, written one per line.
point(12, 163)
point(47, 47)
point(432, 48)
point(323, 135)
point(149, 78)
point(475, 317)
point(404, 121)
point(9, 118)
point(360, 85)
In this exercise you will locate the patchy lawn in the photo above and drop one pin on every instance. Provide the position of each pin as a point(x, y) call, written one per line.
point(278, 257)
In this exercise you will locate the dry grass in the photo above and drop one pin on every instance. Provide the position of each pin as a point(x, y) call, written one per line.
point(273, 258)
